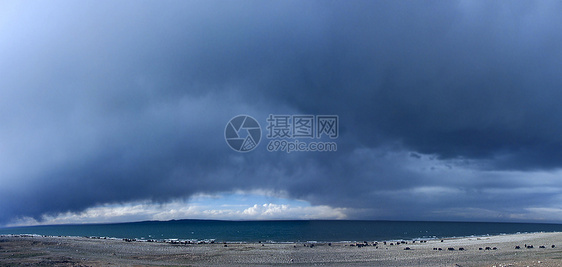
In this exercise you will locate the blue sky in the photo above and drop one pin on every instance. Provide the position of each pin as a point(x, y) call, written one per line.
point(116, 110)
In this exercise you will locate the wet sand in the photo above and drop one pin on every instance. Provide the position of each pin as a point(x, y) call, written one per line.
point(82, 251)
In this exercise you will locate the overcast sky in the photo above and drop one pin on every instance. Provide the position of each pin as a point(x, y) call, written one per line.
point(116, 110)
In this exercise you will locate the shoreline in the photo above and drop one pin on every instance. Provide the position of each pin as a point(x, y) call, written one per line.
point(213, 240)
point(498, 250)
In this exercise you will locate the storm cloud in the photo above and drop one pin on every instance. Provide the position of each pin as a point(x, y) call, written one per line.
point(447, 110)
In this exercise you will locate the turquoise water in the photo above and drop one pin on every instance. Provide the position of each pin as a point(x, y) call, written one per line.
point(285, 231)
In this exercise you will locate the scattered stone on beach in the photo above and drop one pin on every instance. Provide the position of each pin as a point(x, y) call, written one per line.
point(88, 251)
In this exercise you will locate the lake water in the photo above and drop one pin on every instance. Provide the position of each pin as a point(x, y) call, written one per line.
point(285, 231)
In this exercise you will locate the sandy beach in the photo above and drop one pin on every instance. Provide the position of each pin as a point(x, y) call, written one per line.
point(83, 251)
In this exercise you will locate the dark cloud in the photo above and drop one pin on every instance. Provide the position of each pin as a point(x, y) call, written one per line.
point(448, 110)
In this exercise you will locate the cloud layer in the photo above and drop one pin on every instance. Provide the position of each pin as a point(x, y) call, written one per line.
point(226, 207)
point(448, 110)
